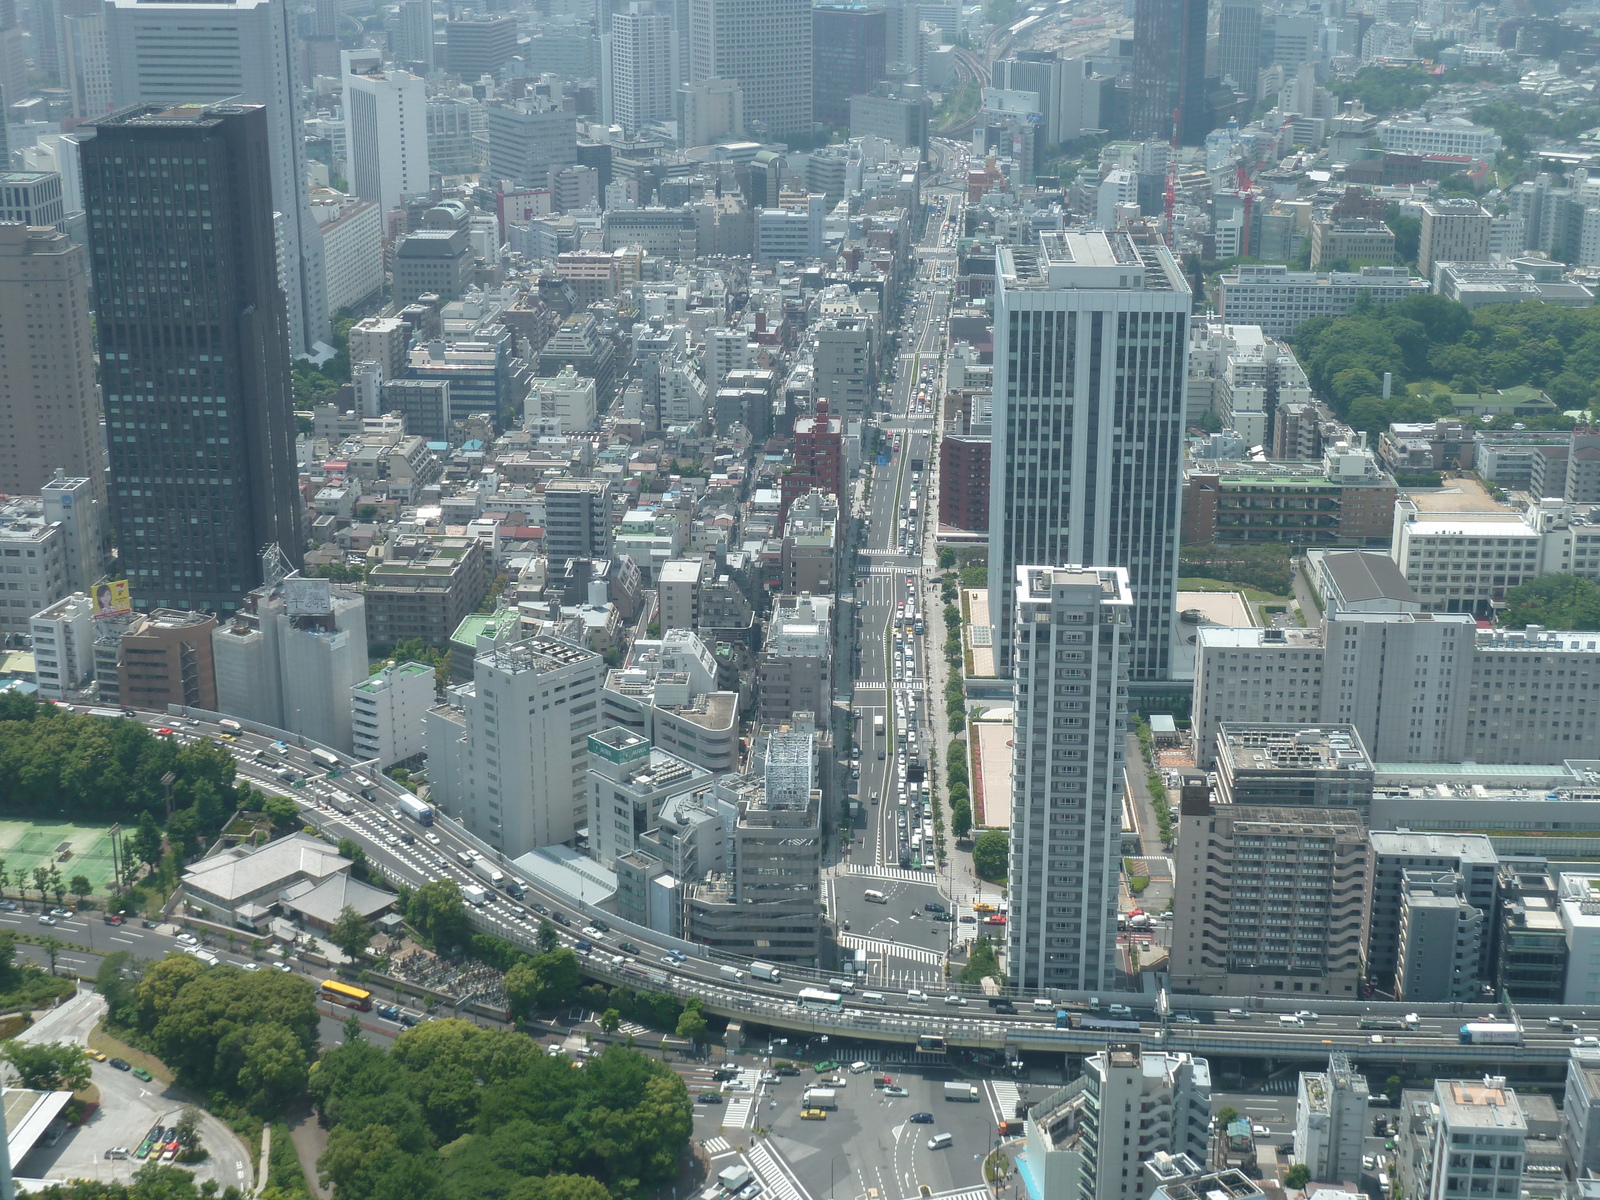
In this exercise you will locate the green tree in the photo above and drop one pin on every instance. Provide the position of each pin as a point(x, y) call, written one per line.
point(559, 1187)
point(1554, 601)
point(116, 990)
point(41, 882)
point(547, 937)
point(440, 914)
point(610, 1021)
point(1297, 1176)
point(273, 1067)
point(146, 840)
point(49, 1066)
point(81, 887)
point(351, 849)
point(692, 1023)
point(281, 811)
point(58, 889)
point(1226, 1116)
point(981, 963)
point(522, 987)
point(52, 946)
point(351, 932)
point(990, 853)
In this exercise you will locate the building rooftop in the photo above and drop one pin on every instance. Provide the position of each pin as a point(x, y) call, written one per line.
point(247, 870)
point(1471, 847)
point(1361, 576)
point(539, 654)
point(1485, 1104)
point(1257, 747)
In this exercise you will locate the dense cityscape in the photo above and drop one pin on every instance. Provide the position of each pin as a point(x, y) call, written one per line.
point(800, 600)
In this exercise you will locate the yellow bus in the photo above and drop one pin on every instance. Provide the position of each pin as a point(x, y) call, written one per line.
point(342, 993)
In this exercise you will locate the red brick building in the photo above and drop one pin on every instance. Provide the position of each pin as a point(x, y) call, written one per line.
point(818, 457)
point(964, 481)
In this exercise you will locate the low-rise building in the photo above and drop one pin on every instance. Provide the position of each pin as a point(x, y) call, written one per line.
point(1346, 499)
point(1278, 299)
point(388, 713)
point(297, 875)
point(165, 658)
point(424, 588)
point(63, 646)
point(1330, 1124)
point(629, 781)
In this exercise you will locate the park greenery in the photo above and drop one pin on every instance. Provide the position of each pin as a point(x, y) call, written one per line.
point(1266, 566)
point(48, 1066)
point(1433, 347)
point(153, 1181)
point(24, 985)
point(453, 1110)
point(1556, 601)
point(60, 765)
point(958, 786)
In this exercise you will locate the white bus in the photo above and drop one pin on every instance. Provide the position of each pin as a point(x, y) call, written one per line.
point(817, 998)
point(872, 897)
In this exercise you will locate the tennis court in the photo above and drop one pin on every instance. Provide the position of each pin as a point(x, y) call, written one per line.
point(25, 845)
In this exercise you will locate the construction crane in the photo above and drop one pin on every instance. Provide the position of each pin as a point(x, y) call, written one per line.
point(1171, 195)
point(1248, 196)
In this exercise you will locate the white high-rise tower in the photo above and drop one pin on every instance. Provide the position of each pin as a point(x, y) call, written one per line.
point(765, 46)
point(244, 52)
point(639, 65)
point(1072, 636)
point(386, 131)
point(1091, 351)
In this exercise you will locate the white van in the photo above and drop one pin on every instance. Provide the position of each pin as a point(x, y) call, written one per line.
point(872, 997)
point(860, 1068)
point(916, 997)
point(939, 1141)
point(1041, 1004)
point(872, 897)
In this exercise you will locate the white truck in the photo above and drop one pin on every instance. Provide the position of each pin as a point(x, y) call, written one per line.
point(488, 872)
point(473, 894)
point(820, 1098)
point(964, 1092)
point(761, 970)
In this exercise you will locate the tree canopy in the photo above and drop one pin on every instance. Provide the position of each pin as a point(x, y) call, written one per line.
point(990, 854)
point(453, 1110)
point(1441, 347)
point(48, 1066)
point(249, 1034)
point(92, 768)
point(1555, 602)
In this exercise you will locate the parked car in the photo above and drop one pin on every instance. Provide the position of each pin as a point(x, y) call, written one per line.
point(141, 1073)
point(120, 1065)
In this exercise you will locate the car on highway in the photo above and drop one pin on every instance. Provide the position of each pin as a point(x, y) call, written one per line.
point(898, 1093)
point(282, 966)
point(389, 1011)
point(956, 1001)
point(8, 906)
point(187, 939)
point(965, 920)
point(921, 1118)
point(708, 1098)
point(933, 907)
point(46, 919)
point(1184, 1019)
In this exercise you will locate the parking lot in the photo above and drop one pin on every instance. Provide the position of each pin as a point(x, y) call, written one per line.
point(129, 1107)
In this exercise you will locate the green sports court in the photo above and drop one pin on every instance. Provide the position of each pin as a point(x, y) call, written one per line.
point(25, 845)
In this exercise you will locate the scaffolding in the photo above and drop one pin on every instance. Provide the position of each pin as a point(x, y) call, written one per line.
point(788, 770)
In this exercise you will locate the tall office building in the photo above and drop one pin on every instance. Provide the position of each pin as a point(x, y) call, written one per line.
point(712, 109)
point(639, 66)
point(238, 53)
point(848, 55)
point(49, 415)
point(1072, 638)
point(1169, 70)
point(386, 132)
point(764, 45)
point(415, 47)
point(1091, 354)
point(86, 63)
point(1239, 43)
point(194, 350)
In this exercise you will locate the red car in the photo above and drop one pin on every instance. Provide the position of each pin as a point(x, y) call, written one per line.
point(163, 732)
point(996, 919)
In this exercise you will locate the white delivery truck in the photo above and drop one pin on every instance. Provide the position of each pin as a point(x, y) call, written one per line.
point(820, 1098)
point(761, 970)
point(488, 872)
point(964, 1092)
point(473, 894)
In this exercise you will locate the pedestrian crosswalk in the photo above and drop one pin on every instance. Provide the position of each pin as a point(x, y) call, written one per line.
point(891, 949)
point(971, 1193)
point(738, 1115)
point(630, 1029)
point(715, 1146)
point(900, 1056)
point(1006, 1096)
point(905, 873)
point(774, 1179)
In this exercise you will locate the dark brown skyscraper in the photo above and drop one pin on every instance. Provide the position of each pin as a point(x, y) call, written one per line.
point(194, 350)
point(849, 44)
point(1169, 70)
